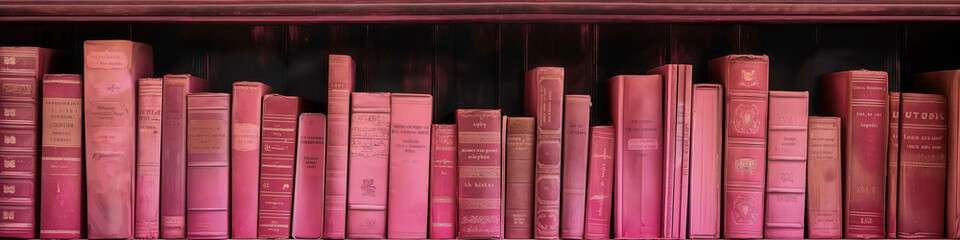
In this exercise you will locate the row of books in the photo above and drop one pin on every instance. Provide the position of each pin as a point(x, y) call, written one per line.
point(139, 157)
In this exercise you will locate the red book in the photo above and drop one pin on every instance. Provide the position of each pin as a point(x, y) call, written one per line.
point(518, 202)
point(478, 167)
point(893, 165)
point(859, 98)
point(636, 104)
point(341, 81)
point(308, 183)
point(61, 184)
point(705, 162)
point(173, 162)
point(409, 177)
point(278, 146)
point(745, 79)
point(149, 101)
point(544, 100)
point(245, 157)
point(111, 70)
point(678, 83)
point(823, 178)
point(208, 165)
point(369, 165)
point(786, 165)
point(948, 83)
point(599, 183)
point(443, 182)
point(576, 143)
point(923, 166)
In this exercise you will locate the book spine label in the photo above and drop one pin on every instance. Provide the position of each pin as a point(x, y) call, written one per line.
point(308, 185)
point(823, 179)
point(245, 157)
point(893, 166)
point(341, 83)
point(150, 99)
point(369, 165)
point(443, 182)
point(923, 136)
point(173, 156)
point(278, 146)
point(208, 165)
point(786, 165)
point(478, 196)
point(576, 143)
point(409, 177)
point(599, 183)
point(705, 162)
point(61, 157)
point(520, 138)
point(545, 102)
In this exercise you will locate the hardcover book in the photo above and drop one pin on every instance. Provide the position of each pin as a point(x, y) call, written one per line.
point(823, 178)
point(518, 204)
point(61, 157)
point(245, 157)
point(308, 183)
point(948, 83)
point(369, 165)
point(678, 82)
point(576, 143)
point(923, 166)
point(149, 112)
point(208, 165)
point(786, 165)
point(409, 178)
point(342, 74)
point(544, 100)
point(599, 183)
point(893, 165)
point(278, 146)
point(173, 156)
point(443, 182)
point(478, 166)
point(706, 165)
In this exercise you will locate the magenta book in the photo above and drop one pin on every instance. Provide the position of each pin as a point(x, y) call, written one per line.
point(599, 183)
point(786, 165)
point(245, 157)
point(544, 100)
point(478, 195)
point(636, 104)
point(208, 165)
point(408, 194)
point(149, 101)
point(173, 152)
point(947, 83)
point(111, 70)
point(706, 165)
point(61, 185)
point(923, 166)
point(824, 187)
point(576, 142)
point(893, 166)
point(342, 74)
point(443, 182)
point(677, 96)
point(520, 165)
point(308, 183)
point(278, 146)
point(369, 165)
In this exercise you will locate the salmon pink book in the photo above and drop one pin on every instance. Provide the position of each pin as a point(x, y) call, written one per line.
point(443, 182)
point(150, 100)
point(61, 157)
point(208, 165)
point(786, 165)
point(479, 169)
point(599, 183)
point(893, 165)
point(706, 165)
point(409, 177)
point(948, 83)
point(308, 183)
point(342, 74)
point(923, 166)
point(678, 83)
point(576, 143)
point(173, 155)
point(520, 155)
point(245, 157)
point(369, 165)
point(277, 162)
point(544, 100)
point(824, 187)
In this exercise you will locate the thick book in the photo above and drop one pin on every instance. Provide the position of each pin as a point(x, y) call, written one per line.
point(948, 84)
point(173, 164)
point(369, 165)
point(409, 190)
point(599, 183)
point(342, 74)
point(744, 78)
point(520, 155)
point(786, 165)
point(706, 164)
point(308, 182)
point(544, 100)
point(278, 144)
point(149, 102)
point(678, 84)
point(61, 157)
point(923, 166)
point(636, 102)
point(443, 182)
point(893, 165)
point(245, 157)
point(576, 144)
point(479, 174)
point(824, 185)
point(860, 99)
point(208, 165)
point(111, 70)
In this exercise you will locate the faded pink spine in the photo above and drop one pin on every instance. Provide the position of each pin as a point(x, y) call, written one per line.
point(369, 165)
point(277, 162)
point(409, 176)
point(705, 160)
point(61, 182)
point(341, 78)
point(786, 165)
point(479, 168)
point(208, 165)
point(150, 99)
point(308, 183)
point(443, 182)
point(600, 183)
point(544, 100)
point(245, 157)
point(173, 155)
point(576, 143)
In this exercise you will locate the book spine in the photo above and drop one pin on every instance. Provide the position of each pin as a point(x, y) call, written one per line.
point(478, 194)
point(111, 70)
point(672, 147)
point(278, 146)
point(521, 132)
point(576, 143)
point(923, 166)
point(61, 157)
point(443, 182)
point(245, 157)
point(599, 183)
point(685, 108)
point(705, 160)
point(409, 178)
point(823, 178)
point(341, 82)
point(308, 183)
point(948, 84)
point(149, 111)
point(545, 102)
point(173, 156)
point(893, 165)
point(369, 165)
point(786, 165)
point(208, 165)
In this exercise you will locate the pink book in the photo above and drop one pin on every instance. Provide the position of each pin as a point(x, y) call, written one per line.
point(893, 166)
point(208, 165)
point(443, 182)
point(369, 165)
point(677, 92)
point(744, 78)
point(823, 178)
point(706, 165)
point(479, 188)
point(576, 142)
point(409, 176)
point(341, 81)
point(948, 83)
point(786, 165)
point(173, 155)
point(599, 183)
point(111, 70)
point(520, 165)
point(245, 157)
point(923, 166)
point(278, 146)
point(308, 183)
point(149, 111)
point(636, 103)
point(61, 196)
point(544, 100)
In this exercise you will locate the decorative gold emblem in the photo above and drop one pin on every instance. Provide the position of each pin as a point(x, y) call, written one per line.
point(8, 215)
point(285, 186)
point(9, 112)
point(10, 139)
point(745, 210)
point(9, 189)
point(9, 60)
point(749, 77)
point(746, 120)
point(746, 164)
point(9, 163)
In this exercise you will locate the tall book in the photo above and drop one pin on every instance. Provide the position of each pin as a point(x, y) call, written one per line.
point(369, 165)
point(173, 164)
point(576, 144)
point(923, 166)
point(149, 112)
point(544, 100)
point(678, 84)
point(409, 177)
point(705, 160)
point(948, 83)
point(893, 164)
point(111, 70)
point(744, 78)
point(637, 107)
point(61, 157)
point(478, 167)
point(245, 157)
point(308, 183)
point(278, 146)
point(786, 165)
point(208, 165)
point(599, 183)
point(860, 99)
point(443, 182)
point(520, 168)
point(341, 77)
point(823, 178)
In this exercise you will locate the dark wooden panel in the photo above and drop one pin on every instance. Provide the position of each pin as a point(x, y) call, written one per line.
point(247, 53)
point(929, 47)
point(625, 49)
point(699, 43)
point(513, 66)
point(570, 46)
point(400, 58)
point(178, 49)
point(789, 48)
point(851, 47)
point(467, 69)
point(308, 49)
